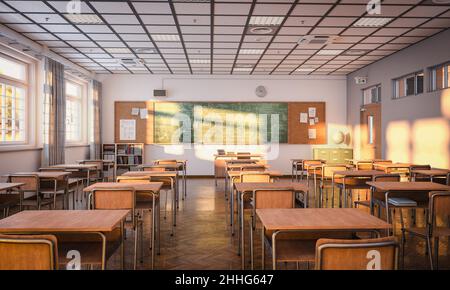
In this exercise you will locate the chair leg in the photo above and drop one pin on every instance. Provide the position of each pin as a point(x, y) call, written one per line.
point(430, 253)
point(403, 241)
point(165, 205)
point(136, 238)
point(436, 253)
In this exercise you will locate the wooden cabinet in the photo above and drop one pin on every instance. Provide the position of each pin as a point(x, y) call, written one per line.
point(333, 155)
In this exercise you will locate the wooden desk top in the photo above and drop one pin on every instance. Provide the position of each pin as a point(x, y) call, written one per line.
point(408, 186)
point(6, 185)
point(57, 221)
point(46, 174)
point(394, 165)
point(311, 219)
point(75, 166)
point(271, 172)
point(153, 186)
point(237, 155)
point(238, 166)
point(151, 173)
point(432, 172)
point(250, 186)
point(243, 161)
point(359, 173)
point(98, 160)
point(169, 166)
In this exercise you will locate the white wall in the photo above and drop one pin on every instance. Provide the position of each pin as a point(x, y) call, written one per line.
point(331, 90)
point(415, 129)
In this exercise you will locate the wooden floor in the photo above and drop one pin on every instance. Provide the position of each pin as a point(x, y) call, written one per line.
point(202, 239)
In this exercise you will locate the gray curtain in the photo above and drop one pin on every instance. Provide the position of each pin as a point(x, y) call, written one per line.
point(96, 142)
point(54, 114)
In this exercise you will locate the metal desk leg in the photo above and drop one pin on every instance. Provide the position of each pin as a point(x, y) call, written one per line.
point(263, 248)
point(122, 246)
point(153, 232)
point(185, 180)
point(242, 226)
point(371, 200)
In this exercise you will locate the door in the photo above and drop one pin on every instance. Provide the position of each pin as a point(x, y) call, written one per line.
point(371, 131)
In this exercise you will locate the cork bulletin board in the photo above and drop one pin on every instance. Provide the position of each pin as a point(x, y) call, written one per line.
point(144, 127)
point(299, 132)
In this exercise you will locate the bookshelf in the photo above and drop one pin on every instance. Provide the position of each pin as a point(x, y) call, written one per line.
point(125, 155)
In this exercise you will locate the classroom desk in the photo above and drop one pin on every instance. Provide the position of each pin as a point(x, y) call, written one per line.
point(388, 168)
point(239, 168)
point(99, 222)
point(220, 165)
point(232, 175)
point(315, 220)
point(297, 165)
point(140, 188)
point(431, 173)
point(173, 175)
point(108, 164)
point(7, 199)
point(52, 176)
point(77, 167)
point(351, 174)
point(414, 190)
point(243, 188)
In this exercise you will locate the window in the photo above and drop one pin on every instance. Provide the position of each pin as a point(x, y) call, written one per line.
point(408, 85)
point(74, 111)
point(13, 99)
point(440, 77)
point(372, 95)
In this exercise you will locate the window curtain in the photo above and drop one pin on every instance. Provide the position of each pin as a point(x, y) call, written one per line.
point(54, 114)
point(96, 141)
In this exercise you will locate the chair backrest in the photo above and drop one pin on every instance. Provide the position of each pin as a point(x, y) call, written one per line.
point(255, 177)
point(220, 152)
point(328, 170)
point(97, 163)
point(364, 165)
point(387, 178)
point(154, 169)
point(448, 179)
point(254, 168)
point(439, 209)
point(31, 181)
point(28, 252)
point(370, 254)
point(165, 162)
point(133, 179)
point(273, 198)
point(307, 163)
point(117, 198)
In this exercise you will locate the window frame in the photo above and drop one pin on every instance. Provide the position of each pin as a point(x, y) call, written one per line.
point(432, 79)
point(83, 141)
point(378, 92)
point(27, 87)
point(403, 78)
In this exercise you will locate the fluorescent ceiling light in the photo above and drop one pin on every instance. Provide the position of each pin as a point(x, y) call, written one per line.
point(266, 20)
point(200, 61)
point(83, 18)
point(166, 37)
point(117, 50)
point(243, 69)
point(329, 52)
point(251, 51)
point(372, 22)
point(305, 69)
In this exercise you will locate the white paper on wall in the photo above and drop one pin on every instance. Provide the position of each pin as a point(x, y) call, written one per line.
point(135, 111)
point(312, 112)
point(312, 134)
point(127, 130)
point(311, 122)
point(304, 118)
point(316, 120)
point(144, 113)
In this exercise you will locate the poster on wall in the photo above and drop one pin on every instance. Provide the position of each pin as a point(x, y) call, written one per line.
point(127, 130)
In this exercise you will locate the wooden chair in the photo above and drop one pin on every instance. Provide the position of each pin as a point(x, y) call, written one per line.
point(437, 226)
point(262, 199)
point(369, 254)
point(98, 174)
point(419, 178)
point(259, 168)
point(28, 252)
point(120, 198)
point(312, 172)
point(380, 178)
point(254, 177)
point(325, 178)
point(297, 167)
point(31, 186)
point(73, 185)
point(364, 165)
point(243, 155)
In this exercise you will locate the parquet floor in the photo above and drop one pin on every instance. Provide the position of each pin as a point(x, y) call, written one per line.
point(202, 239)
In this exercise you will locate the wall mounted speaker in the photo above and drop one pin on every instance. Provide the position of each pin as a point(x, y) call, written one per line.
point(159, 93)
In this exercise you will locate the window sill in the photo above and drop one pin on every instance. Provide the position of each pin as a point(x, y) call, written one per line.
point(18, 148)
point(76, 145)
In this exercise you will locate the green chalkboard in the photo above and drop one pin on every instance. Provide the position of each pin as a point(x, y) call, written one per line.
point(220, 123)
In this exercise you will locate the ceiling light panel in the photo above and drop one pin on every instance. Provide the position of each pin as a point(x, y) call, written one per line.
point(84, 18)
point(251, 51)
point(266, 20)
point(166, 37)
point(372, 22)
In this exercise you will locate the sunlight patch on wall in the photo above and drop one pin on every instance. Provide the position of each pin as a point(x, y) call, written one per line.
point(431, 142)
point(398, 141)
point(445, 103)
